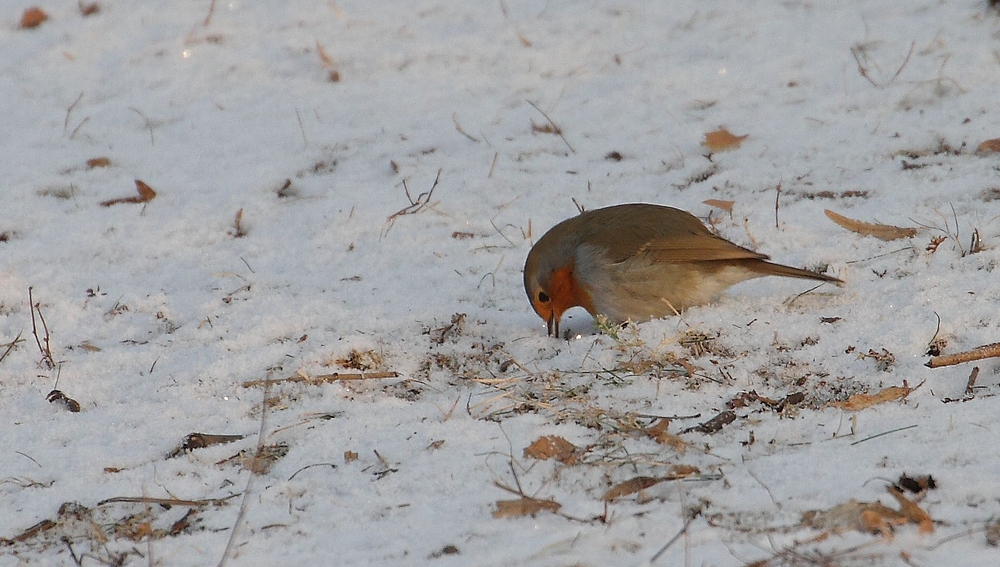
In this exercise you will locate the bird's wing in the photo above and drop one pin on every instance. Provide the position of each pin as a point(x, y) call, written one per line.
point(696, 248)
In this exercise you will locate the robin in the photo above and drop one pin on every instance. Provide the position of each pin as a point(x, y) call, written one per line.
point(637, 262)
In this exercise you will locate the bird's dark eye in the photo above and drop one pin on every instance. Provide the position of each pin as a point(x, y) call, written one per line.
point(543, 297)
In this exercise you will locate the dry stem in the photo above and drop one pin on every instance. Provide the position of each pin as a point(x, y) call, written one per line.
point(980, 352)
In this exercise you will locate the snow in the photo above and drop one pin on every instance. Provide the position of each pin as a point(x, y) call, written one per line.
point(158, 312)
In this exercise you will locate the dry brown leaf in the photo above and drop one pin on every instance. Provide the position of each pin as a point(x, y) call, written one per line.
point(32, 18)
point(859, 402)
point(989, 147)
point(524, 507)
point(722, 140)
point(551, 447)
point(631, 486)
point(146, 194)
point(635, 484)
point(350, 456)
point(880, 231)
point(98, 162)
point(720, 204)
point(658, 432)
point(89, 9)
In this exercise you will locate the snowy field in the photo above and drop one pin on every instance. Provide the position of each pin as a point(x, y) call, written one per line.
point(273, 239)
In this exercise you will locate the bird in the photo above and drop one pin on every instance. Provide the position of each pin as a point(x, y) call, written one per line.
point(638, 261)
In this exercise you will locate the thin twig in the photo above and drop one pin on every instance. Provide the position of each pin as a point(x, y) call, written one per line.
point(167, 501)
point(870, 437)
point(211, 10)
point(905, 61)
point(777, 195)
point(301, 127)
point(78, 126)
point(10, 346)
point(667, 545)
point(70, 111)
point(46, 351)
point(414, 207)
point(248, 489)
point(496, 156)
point(556, 128)
point(149, 124)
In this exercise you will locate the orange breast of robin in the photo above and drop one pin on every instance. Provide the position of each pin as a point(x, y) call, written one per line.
point(567, 291)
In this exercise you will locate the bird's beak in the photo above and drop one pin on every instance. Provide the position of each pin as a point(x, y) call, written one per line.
point(553, 325)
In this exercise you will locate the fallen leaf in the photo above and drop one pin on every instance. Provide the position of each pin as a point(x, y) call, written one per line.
point(98, 162)
point(524, 507)
point(658, 432)
point(859, 402)
point(350, 456)
point(551, 447)
point(720, 204)
point(630, 486)
point(32, 18)
point(635, 484)
point(989, 147)
point(89, 9)
point(880, 231)
point(146, 194)
point(722, 140)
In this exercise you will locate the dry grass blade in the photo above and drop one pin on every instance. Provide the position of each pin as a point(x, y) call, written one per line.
point(168, 501)
point(880, 231)
point(323, 378)
point(555, 128)
point(980, 352)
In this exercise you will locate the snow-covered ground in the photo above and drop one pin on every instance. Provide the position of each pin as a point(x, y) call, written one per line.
point(306, 118)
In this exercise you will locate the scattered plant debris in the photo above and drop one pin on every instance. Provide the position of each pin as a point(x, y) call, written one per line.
point(201, 440)
point(361, 360)
point(57, 396)
point(859, 402)
point(715, 424)
point(884, 361)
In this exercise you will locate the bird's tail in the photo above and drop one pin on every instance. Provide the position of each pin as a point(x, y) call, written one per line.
point(765, 268)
